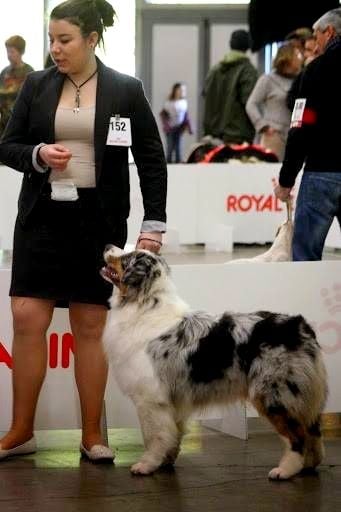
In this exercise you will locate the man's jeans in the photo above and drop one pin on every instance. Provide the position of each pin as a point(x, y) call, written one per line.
point(318, 202)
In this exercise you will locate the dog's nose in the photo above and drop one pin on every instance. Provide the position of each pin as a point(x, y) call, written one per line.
point(108, 247)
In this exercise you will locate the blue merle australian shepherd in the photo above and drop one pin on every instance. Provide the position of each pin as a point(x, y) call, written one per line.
point(172, 361)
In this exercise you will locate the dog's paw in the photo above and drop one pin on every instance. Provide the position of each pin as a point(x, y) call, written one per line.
point(279, 474)
point(171, 457)
point(142, 468)
point(169, 461)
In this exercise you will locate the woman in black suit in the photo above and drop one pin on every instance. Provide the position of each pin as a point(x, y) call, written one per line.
point(69, 135)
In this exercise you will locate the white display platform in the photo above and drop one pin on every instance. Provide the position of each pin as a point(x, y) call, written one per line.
point(310, 288)
point(200, 198)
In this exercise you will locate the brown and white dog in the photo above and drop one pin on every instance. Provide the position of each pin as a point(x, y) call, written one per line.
point(172, 361)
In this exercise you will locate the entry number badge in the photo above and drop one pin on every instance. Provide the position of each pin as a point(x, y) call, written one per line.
point(119, 133)
point(297, 113)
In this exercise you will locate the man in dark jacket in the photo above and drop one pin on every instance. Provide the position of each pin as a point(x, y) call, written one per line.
point(227, 88)
point(314, 139)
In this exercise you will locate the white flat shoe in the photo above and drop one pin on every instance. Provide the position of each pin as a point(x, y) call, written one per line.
point(98, 454)
point(23, 449)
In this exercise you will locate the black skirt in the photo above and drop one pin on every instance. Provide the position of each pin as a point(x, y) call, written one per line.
point(58, 254)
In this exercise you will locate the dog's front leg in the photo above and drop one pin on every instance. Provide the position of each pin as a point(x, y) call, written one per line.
point(174, 452)
point(160, 434)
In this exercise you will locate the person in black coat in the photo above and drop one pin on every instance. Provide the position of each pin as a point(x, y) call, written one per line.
point(69, 135)
point(314, 141)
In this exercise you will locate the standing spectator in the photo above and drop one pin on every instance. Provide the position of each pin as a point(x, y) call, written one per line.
point(12, 77)
point(314, 140)
point(69, 134)
point(310, 52)
point(227, 88)
point(266, 105)
point(298, 37)
point(175, 120)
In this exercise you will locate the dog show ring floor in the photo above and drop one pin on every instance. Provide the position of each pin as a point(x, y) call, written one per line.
point(214, 472)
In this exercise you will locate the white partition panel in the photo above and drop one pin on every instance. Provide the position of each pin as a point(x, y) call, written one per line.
point(10, 182)
point(24, 18)
point(311, 288)
point(175, 58)
point(200, 197)
point(220, 42)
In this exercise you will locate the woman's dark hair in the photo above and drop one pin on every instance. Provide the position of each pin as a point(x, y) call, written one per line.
point(88, 15)
point(174, 89)
point(48, 61)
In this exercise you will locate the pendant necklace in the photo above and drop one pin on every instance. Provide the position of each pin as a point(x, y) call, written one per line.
point(78, 90)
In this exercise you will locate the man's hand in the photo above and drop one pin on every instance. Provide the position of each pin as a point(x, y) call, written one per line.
point(283, 193)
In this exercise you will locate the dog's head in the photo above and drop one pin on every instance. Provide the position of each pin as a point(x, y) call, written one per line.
point(136, 274)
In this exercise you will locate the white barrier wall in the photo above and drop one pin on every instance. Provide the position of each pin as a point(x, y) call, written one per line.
point(312, 289)
point(200, 197)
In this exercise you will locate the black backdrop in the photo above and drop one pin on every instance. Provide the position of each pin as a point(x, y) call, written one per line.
point(272, 20)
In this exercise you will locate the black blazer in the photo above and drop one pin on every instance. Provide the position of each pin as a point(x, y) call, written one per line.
point(316, 143)
point(32, 122)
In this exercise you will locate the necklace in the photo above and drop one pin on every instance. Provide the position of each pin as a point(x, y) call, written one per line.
point(78, 90)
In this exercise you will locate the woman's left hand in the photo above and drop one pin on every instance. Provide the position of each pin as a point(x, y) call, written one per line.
point(151, 241)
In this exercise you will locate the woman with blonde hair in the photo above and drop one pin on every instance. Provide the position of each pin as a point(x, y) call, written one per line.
point(266, 106)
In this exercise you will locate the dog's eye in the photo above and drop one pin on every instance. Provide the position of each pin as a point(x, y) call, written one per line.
point(138, 269)
point(133, 275)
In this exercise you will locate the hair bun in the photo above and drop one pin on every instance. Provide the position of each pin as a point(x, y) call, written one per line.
point(106, 11)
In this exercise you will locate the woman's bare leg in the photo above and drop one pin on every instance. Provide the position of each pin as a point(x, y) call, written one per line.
point(91, 369)
point(31, 319)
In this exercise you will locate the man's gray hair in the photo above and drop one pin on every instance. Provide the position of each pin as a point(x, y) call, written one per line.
point(332, 18)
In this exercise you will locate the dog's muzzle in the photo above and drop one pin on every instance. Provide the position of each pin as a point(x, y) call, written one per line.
point(110, 275)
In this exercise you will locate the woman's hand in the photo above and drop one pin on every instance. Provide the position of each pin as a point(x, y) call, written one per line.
point(55, 156)
point(151, 241)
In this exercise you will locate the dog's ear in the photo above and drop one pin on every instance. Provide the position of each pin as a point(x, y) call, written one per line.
point(140, 268)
